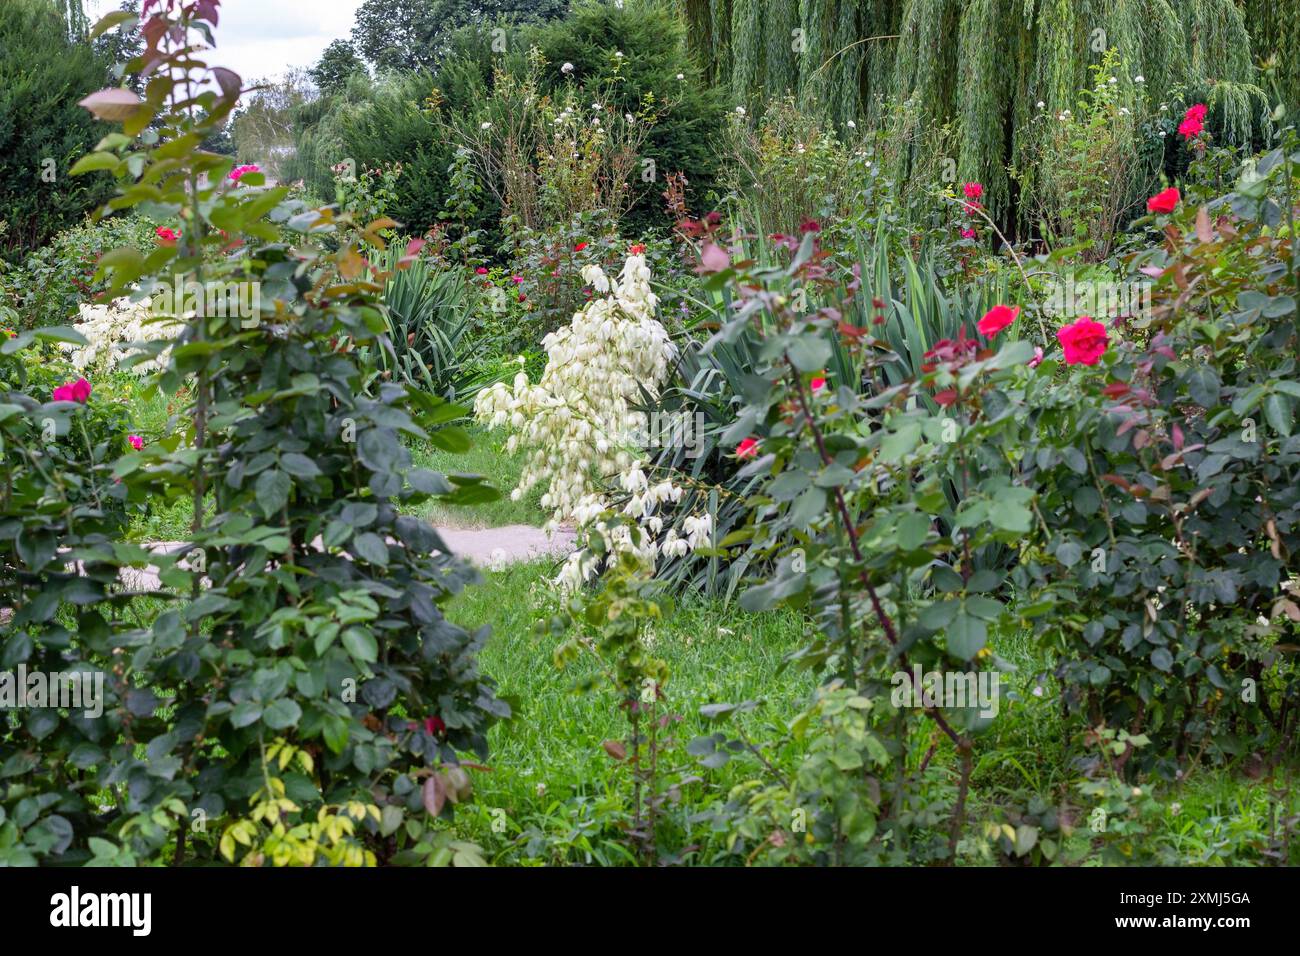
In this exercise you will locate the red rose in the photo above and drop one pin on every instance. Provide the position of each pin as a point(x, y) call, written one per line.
point(747, 448)
point(1084, 341)
point(1193, 121)
point(1164, 202)
point(996, 319)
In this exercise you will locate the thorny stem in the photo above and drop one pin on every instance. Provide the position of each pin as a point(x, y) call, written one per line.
point(1101, 493)
point(1042, 328)
point(886, 623)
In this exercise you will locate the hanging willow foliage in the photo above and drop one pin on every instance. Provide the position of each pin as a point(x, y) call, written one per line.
point(817, 26)
point(984, 65)
point(747, 45)
point(1274, 27)
point(985, 85)
point(780, 20)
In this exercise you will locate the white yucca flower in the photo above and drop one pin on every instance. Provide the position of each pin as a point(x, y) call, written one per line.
point(575, 422)
point(110, 331)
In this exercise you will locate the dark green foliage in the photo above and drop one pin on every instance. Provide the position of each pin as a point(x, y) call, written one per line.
point(46, 287)
point(415, 34)
point(652, 38)
point(335, 66)
point(390, 120)
point(392, 125)
point(42, 129)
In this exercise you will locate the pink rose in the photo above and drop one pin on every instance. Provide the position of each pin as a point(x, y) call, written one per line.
point(135, 441)
point(77, 391)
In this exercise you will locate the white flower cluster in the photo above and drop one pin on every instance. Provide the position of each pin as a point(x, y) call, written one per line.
point(110, 329)
point(577, 422)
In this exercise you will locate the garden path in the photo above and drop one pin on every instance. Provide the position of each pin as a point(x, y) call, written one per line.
point(485, 547)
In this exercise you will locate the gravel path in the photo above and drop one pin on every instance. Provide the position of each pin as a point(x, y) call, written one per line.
point(486, 547)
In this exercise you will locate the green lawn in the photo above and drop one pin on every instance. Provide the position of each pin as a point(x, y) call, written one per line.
point(488, 458)
point(553, 795)
point(560, 791)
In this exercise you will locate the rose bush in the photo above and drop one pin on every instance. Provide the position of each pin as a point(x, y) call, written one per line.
point(1148, 519)
point(300, 667)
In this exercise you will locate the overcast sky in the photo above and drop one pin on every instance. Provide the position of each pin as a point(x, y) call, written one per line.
point(263, 38)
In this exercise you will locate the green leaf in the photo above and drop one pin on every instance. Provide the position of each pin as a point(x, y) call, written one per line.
point(281, 714)
point(300, 466)
point(1277, 409)
point(370, 547)
point(452, 439)
point(1069, 553)
point(361, 644)
point(245, 713)
point(967, 635)
point(899, 443)
point(106, 23)
point(936, 616)
point(809, 352)
point(913, 529)
point(1008, 514)
point(59, 333)
point(93, 161)
point(272, 490)
point(1203, 385)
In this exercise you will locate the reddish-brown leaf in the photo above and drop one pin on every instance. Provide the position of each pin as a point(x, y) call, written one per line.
point(615, 749)
point(1204, 232)
point(435, 794)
